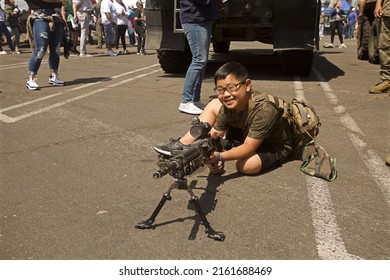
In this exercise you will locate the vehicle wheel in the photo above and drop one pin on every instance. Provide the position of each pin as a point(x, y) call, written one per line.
point(364, 31)
point(174, 61)
point(298, 62)
point(373, 51)
point(221, 47)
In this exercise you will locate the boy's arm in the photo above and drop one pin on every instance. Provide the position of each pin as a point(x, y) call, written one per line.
point(248, 148)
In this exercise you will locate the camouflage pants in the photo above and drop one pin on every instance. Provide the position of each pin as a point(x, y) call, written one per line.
point(384, 49)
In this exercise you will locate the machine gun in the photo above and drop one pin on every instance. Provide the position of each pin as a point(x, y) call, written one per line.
point(184, 163)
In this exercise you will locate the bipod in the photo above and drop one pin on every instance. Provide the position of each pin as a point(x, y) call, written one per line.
point(181, 184)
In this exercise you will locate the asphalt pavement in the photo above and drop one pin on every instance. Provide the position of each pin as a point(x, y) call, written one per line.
point(77, 164)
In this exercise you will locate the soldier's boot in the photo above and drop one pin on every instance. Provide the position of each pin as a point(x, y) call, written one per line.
point(382, 87)
point(388, 160)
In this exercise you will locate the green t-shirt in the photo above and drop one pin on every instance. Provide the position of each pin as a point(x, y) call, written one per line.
point(69, 10)
point(261, 120)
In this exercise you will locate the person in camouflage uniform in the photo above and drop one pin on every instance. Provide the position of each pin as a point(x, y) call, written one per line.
point(382, 10)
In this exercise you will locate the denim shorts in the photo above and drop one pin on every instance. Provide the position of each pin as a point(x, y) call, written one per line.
point(110, 34)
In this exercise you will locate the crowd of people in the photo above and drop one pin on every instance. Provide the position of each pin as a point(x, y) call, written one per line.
point(81, 17)
point(68, 23)
point(10, 21)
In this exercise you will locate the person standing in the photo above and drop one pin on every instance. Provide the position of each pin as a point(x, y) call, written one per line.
point(45, 18)
point(82, 10)
point(13, 17)
point(197, 19)
point(336, 24)
point(321, 25)
point(107, 11)
point(98, 25)
point(122, 25)
point(67, 15)
point(351, 24)
point(131, 27)
point(140, 20)
point(4, 30)
point(382, 11)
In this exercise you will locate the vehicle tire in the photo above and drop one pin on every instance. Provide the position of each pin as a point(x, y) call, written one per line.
point(174, 61)
point(364, 31)
point(221, 47)
point(373, 51)
point(298, 62)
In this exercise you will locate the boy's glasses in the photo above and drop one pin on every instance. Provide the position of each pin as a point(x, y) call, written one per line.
point(229, 88)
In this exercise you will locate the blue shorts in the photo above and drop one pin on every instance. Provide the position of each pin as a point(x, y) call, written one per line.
point(110, 34)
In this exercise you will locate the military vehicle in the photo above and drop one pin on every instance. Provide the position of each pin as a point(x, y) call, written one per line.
point(368, 33)
point(291, 27)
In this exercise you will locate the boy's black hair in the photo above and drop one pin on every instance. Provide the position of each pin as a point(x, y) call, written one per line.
point(231, 68)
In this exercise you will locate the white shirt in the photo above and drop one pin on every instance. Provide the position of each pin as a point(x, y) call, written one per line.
point(107, 6)
point(121, 14)
point(84, 5)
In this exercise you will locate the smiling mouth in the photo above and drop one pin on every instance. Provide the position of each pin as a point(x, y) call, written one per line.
point(228, 101)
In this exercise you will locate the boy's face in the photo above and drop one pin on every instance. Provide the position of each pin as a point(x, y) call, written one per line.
point(239, 94)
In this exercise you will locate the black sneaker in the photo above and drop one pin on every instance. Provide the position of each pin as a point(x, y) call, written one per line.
point(173, 146)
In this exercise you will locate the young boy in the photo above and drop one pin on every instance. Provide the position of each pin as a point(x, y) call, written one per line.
point(248, 118)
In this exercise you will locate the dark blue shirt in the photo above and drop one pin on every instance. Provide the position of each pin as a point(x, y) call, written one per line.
point(196, 11)
point(337, 15)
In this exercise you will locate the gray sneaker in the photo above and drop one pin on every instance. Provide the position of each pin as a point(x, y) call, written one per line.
point(173, 146)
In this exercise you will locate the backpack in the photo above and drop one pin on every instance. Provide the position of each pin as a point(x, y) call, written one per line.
point(316, 161)
point(306, 120)
point(302, 114)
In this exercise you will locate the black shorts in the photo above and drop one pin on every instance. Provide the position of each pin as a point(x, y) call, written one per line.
point(270, 155)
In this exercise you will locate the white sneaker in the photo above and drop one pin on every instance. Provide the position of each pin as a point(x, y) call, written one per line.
point(190, 108)
point(85, 55)
point(200, 105)
point(55, 81)
point(328, 45)
point(342, 46)
point(32, 84)
point(3, 52)
point(111, 53)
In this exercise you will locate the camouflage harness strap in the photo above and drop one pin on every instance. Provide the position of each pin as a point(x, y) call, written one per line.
point(318, 163)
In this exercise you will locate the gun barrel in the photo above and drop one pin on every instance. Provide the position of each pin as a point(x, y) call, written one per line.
point(172, 165)
point(158, 174)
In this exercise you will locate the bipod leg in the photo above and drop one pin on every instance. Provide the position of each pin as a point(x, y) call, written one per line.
point(211, 233)
point(166, 196)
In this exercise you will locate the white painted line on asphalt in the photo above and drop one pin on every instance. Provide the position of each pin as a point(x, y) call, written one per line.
point(330, 245)
point(375, 165)
point(7, 119)
point(74, 89)
point(13, 65)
